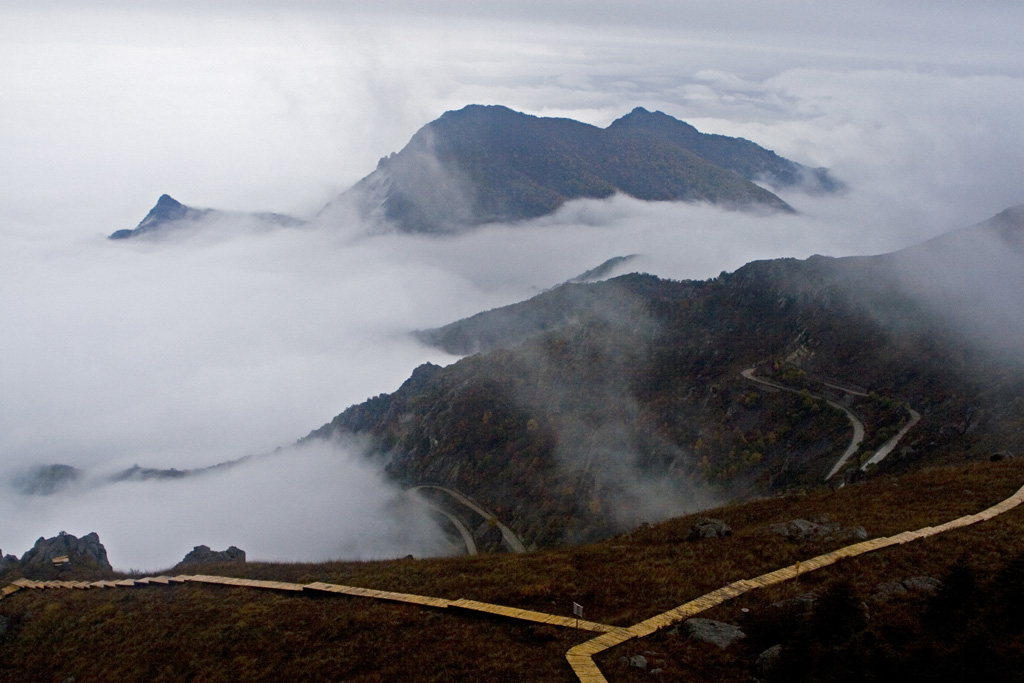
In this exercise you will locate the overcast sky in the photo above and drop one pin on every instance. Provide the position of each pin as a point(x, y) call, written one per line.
point(189, 352)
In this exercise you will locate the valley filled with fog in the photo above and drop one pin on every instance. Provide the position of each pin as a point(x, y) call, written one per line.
point(228, 339)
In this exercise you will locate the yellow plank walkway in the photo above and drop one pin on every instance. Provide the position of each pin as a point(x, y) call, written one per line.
point(530, 615)
point(581, 657)
point(422, 600)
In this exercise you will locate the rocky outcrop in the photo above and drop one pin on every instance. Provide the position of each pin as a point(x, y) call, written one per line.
point(708, 528)
point(7, 562)
point(820, 528)
point(82, 553)
point(202, 554)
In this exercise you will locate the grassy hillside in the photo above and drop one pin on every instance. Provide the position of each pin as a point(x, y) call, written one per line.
point(209, 633)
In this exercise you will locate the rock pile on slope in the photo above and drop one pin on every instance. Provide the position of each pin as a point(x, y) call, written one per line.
point(818, 528)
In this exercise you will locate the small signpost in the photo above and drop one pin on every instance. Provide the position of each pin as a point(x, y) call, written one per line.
point(577, 609)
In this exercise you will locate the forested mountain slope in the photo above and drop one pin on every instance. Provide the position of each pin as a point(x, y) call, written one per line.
point(593, 407)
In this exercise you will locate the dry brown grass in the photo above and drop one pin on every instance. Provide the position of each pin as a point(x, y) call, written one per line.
point(210, 633)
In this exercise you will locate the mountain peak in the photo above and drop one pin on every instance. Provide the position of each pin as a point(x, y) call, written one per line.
point(488, 163)
point(167, 200)
point(166, 210)
point(641, 117)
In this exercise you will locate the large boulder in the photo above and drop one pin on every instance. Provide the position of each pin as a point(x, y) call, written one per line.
point(66, 551)
point(201, 554)
point(710, 631)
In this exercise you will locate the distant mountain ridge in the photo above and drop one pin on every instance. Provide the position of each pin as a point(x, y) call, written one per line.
point(168, 213)
point(739, 155)
point(484, 164)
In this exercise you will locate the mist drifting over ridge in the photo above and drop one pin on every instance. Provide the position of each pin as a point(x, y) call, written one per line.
point(235, 342)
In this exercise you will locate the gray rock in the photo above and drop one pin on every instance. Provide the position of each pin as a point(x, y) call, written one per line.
point(922, 584)
point(888, 590)
point(638, 662)
point(709, 631)
point(768, 660)
point(708, 528)
point(791, 607)
point(83, 553)
point(906, 588)
point(797, 530)
point(818, 528)
point(202, 554)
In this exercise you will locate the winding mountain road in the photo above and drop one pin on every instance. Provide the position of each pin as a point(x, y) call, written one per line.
point(889, 445)
point(460, 526)
point(858, 426)
point(511, 539)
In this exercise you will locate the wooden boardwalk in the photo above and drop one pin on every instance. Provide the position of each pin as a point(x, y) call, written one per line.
point(580, 657)
point(318, 587)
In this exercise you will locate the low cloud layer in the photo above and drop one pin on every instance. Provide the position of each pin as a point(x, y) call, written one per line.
point(230, 341)
point(309, 503)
